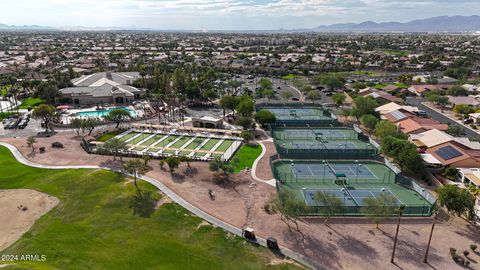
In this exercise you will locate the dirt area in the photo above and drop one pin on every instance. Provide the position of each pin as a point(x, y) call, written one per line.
point(20, 209)
point(344, 243)
point(263, 168)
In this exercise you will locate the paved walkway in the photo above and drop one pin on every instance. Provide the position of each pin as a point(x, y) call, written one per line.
point(177, 199)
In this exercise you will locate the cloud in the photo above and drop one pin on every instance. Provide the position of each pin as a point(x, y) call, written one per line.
point(220, 14)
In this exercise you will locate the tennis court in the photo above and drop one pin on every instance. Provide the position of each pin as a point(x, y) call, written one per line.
point(320, 145)
point(327, 170)
point(350, 181)
point(349, 195)
point(298, 113)
point(315, 133)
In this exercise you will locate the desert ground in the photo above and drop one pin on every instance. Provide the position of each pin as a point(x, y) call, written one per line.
point(19, 209)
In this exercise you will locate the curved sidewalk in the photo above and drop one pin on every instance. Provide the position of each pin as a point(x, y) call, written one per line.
point(170, 193)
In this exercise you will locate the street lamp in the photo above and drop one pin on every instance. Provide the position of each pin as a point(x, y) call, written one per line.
point(324, 170)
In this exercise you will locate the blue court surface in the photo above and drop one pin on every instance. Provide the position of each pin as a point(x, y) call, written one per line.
point(329, 171)
point(349, 196)
point(312, 133)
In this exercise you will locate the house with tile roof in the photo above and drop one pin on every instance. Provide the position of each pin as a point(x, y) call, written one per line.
point(102, 88)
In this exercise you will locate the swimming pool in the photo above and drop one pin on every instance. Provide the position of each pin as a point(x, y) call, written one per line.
point(104, 112)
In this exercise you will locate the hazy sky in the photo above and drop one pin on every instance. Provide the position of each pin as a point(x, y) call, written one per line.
point(224, 14)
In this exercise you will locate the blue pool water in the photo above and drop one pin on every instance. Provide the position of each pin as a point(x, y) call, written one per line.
point(101, 113)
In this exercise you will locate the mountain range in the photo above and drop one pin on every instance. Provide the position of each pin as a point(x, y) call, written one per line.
point(434, 24)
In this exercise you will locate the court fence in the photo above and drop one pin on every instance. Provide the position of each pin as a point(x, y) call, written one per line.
point(324, 119)
point(369, 152)
point(362, 210)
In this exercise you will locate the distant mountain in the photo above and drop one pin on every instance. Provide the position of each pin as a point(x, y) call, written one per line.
point(435, 24)
point(6, 27)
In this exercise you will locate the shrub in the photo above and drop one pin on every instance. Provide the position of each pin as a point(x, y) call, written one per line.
point(42, 149)
point(453, 251)
point(473, 247)
point(467, 263)
point(466, 253)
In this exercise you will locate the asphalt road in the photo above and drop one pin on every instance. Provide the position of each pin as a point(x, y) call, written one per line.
point(415, 101)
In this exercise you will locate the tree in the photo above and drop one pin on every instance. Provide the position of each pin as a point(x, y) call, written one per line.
point(77, 124)
point(48, 92)
point(380, 207)
point(463, 109)
point(455, 130)
point(290, 208)
point(173, 163)
point(30, 142)
point(338, 98)
point(264, 117)
point(245, 122)
point(385, 128)
point(286, 95)
point(247, 136)
point(364, 105)
point(329, 204)
point(89, 124)
point(246, 106)
point(230, 103)
point(136, 167)
point(186, 160)
point(404, 153)
point(435, 98)
point(45, 113)
point(115, 146)
point(449, 172)
point(457, 90)
point(220, 167)
point(369, 121)
point(313, 95)
point(345, 113)
point(330, 81)
point(118, 116)
point(457, 201)
point(400, 211)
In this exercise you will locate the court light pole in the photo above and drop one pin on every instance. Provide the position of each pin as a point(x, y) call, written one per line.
point(425, 258)
point(424, 195)
point(400, 210)
point(324, 165)
point(356, 175)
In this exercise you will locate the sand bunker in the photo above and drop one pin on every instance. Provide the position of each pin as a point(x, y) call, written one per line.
point(19, 209)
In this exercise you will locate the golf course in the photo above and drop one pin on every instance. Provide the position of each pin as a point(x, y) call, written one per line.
point(94, 227)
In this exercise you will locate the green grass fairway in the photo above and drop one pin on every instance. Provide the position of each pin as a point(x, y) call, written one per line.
point(166, 141)
point(30, 103)
point(246, 156)
point(93, 227)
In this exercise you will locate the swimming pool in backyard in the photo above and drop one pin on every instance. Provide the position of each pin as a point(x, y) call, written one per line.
point(104, 112)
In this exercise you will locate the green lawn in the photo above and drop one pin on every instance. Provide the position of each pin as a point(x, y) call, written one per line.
point(31, 102)
point(93, 227)
point(4, 115)
point(246, 156)
point(107, 136)
point(382, 85)
point(289, 76)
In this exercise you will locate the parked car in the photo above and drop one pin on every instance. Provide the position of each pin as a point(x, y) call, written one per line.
point(468, 121)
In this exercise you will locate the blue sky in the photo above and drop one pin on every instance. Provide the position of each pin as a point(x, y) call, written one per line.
point(224, 14)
